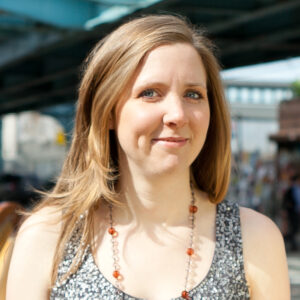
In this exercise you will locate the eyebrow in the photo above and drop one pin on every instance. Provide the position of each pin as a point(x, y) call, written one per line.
point(192, 84)
point(158, 83)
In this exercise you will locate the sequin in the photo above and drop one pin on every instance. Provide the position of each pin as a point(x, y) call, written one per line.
point(225, 279)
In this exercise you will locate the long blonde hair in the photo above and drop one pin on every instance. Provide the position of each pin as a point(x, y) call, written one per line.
point(90, 171)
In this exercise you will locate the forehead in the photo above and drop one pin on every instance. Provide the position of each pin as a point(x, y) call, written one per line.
point(180, 59)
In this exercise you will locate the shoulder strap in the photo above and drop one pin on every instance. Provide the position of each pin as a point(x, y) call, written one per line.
point(70, 252)
point(229, 244)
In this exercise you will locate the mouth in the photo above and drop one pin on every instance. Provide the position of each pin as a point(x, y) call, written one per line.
point(171, 139)
point(173, 142)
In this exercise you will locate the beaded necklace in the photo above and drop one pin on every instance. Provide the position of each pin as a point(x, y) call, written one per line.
point(190, 250)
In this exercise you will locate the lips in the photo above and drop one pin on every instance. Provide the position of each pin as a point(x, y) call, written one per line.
point(170, 142)
point(171, 139)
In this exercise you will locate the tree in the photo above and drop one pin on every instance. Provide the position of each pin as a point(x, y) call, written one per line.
point(296, 88)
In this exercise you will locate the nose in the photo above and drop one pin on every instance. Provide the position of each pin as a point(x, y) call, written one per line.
point(175, 112)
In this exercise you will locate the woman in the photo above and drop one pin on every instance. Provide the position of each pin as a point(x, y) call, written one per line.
point(137, 211)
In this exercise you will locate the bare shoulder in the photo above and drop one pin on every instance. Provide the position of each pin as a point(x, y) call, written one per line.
point(31, 263)
point(264, 256)
point(256, 225)
point(46, 220)
point(43, 226)
point(260, 233)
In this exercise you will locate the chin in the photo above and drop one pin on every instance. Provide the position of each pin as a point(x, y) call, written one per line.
point(167, 167)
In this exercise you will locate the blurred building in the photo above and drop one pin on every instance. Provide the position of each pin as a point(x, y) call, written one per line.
point(287, 139)
point(254, 113)
point(32, 143)
point(253, 108)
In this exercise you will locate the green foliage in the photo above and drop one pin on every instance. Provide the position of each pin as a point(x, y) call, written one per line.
point(296, 88)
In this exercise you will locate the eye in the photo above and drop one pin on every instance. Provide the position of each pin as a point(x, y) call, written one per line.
point(149, 93)
point(194, 95)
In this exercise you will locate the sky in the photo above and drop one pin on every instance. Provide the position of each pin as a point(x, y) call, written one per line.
point(284, 71)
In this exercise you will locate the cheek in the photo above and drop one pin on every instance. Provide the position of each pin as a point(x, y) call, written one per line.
point(134, 123)
point(201, 121)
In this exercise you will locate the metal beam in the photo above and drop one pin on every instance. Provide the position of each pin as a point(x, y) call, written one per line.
point(17, 48)
point(163, 6)
point(220, 4)
point(208, 11)
point(290, 47)
point(74, 14)
point(11, 22)
point(213, 12)
point(221, 27)
point(34, 83)
point(60, 13)
point(262, 41)
point(56, 96)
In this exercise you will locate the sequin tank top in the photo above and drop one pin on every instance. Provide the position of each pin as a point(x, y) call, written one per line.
point(224, 280)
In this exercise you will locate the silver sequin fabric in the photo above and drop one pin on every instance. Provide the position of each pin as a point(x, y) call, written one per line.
point(224, 280)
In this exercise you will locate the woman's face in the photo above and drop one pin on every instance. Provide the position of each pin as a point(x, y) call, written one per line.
point(161, 125)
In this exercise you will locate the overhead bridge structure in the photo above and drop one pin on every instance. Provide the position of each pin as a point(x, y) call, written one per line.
point(43, 43)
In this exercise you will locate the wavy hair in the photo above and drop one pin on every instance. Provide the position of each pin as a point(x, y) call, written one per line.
point(90, 171)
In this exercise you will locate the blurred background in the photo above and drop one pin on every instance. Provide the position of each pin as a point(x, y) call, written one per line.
point(43, 45)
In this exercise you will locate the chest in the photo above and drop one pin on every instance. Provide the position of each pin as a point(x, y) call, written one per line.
point(158, 272)
point(154, 267)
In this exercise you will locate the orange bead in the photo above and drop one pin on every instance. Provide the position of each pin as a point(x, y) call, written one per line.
point(193, 209)
point(190, 251)
point(185, 295)
point(117, 275)
point(111, 231)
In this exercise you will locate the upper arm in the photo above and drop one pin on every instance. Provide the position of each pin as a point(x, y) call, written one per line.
point(31, 263)
point(265, 258)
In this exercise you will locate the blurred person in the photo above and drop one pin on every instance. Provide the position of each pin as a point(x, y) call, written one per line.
point(291, 209)
point(139, 209)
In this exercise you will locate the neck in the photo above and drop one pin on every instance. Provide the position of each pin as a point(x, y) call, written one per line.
point(162, 199)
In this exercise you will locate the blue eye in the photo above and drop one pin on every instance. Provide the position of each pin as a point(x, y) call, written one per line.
point(193, 95)
point(149, 93)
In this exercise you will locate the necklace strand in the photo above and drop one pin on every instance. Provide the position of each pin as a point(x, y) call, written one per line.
point(190, 250)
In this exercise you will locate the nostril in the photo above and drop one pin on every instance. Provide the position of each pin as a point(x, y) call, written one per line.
point(175, 120)
point(175, 113)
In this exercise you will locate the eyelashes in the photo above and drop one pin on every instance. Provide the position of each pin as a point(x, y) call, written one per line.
point(194, 95)
point(148, 93)
point(152, 94)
